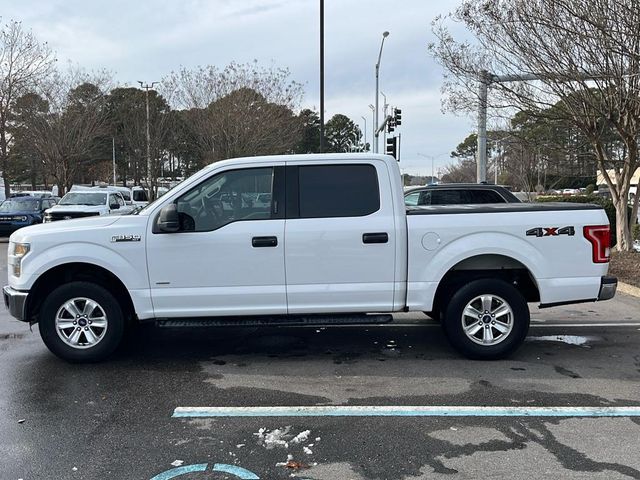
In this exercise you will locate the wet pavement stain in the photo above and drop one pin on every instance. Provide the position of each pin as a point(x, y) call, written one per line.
point(566, 372)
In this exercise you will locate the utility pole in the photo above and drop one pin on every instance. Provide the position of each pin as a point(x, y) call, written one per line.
point(150, 184)
point(321, 76)
point(481, 162)
point(113, 154)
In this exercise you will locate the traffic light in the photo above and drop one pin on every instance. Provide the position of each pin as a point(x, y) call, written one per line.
point(397, 116)
point(390, 125)
point(391, 149)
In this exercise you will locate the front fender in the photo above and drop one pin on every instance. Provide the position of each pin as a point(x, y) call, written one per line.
point(130, 269)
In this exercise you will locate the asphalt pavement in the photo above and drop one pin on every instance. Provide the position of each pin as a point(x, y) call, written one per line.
point(115, 420)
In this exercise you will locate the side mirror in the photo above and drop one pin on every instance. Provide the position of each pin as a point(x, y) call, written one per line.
point(169, 220)
point(114, 206)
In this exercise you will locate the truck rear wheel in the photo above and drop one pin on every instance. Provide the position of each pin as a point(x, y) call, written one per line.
point(81, 322)
point(487, 319)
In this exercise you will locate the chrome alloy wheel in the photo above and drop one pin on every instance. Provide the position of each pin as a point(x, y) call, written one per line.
point(487, 320)
point(81, 323)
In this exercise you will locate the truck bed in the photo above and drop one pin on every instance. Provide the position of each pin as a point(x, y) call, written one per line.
point(500, 208)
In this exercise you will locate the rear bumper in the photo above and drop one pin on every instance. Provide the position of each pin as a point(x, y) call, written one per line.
point(607, 291)
point(608, 286)
point(15, 301)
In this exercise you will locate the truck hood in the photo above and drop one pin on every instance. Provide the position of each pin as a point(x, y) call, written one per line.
point(74, 225)
point(77, 208)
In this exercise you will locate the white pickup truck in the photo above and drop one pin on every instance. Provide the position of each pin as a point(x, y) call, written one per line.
point(331, 241)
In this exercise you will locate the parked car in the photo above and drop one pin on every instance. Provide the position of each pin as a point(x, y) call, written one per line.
point(458, 194)
point(18, 212)
point(124, 191)
point(350, 246)
point(88, 203)
point(35, 193)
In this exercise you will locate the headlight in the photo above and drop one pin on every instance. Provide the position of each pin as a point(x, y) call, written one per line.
point(17, 252)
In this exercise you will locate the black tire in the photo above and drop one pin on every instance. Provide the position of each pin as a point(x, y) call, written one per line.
point(107, 303)
point(519, 320)
point(435, 314)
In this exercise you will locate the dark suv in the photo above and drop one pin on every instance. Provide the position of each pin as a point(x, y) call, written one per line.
point(22, 211)
point(458, 194)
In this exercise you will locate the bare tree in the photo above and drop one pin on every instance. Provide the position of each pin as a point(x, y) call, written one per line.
point(242, 109)
point(586, 54)
point(128, 119)
point(24, 63)
point(69, 136)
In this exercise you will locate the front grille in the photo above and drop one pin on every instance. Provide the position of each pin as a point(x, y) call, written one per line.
point(12, 218)
point(55, 216)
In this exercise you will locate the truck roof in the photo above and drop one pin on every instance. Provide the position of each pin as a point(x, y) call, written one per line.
point(310, 157)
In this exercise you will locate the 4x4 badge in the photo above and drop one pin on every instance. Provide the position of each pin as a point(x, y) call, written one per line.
point(551, 231)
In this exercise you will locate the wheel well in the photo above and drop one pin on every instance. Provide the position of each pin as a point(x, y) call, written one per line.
point(69, 272)
point(488, 266)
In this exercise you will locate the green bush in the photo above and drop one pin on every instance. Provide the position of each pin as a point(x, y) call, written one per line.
point(605, 203)
point(635, 233)
point(590, 188)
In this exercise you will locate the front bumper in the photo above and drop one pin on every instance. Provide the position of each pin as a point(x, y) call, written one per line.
point(8, 228)
point(16, 302)
point(608, 286)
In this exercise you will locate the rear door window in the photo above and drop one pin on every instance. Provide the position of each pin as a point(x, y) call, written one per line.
point(446, 197)
point(338, 190)
point(484, 196)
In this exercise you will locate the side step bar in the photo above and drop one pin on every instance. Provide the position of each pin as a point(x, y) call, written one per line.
point(276, 320)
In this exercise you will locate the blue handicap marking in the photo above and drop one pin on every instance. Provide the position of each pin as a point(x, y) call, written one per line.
point(176, 472)
point(237, 471)
point(241, 473)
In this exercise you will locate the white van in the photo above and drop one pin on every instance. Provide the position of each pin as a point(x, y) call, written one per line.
point(139, 196)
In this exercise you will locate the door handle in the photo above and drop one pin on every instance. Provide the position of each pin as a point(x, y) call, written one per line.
point(381, 237)
point(259, 242)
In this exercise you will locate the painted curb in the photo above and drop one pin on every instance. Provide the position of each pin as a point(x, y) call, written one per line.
point(629, 289)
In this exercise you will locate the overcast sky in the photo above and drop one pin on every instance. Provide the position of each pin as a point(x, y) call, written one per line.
point(145, 40)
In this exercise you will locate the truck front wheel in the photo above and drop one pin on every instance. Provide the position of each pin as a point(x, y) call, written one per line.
point(81, 322)
point(487, 319)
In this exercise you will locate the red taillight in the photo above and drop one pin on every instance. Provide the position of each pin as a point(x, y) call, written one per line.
point(600, 238)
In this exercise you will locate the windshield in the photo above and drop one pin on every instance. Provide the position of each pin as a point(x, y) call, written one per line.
point(84, 198)
point(19, 205)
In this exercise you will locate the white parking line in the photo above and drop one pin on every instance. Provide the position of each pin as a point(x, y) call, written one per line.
point(405, 411)
point(422, 325)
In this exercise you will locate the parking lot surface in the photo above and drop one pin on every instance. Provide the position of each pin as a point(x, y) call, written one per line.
point(117, 420)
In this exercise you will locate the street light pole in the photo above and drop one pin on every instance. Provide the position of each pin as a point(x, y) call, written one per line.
point(433, 158)
point(385, 106)
point(375, 142)
point(365, 133)
point(147, 87)
point(373, 130)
